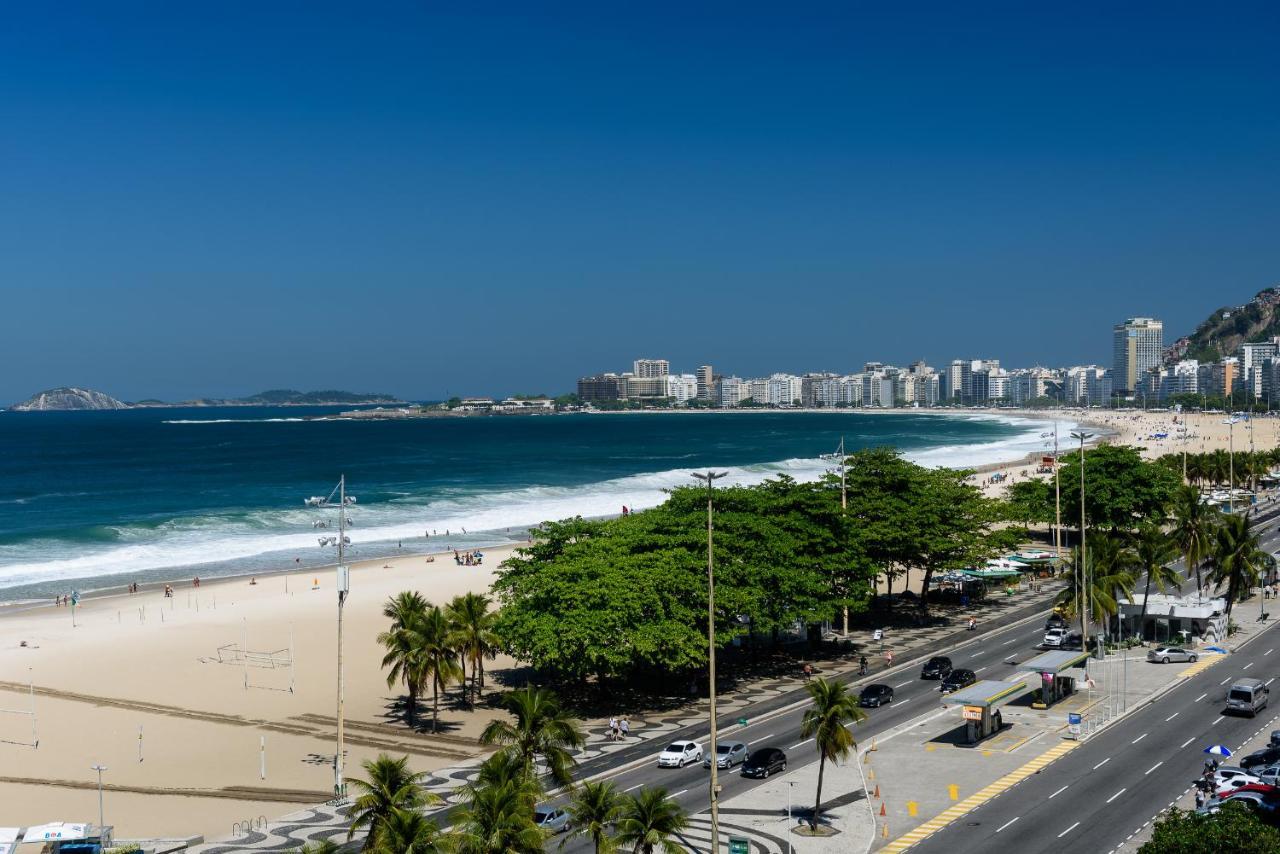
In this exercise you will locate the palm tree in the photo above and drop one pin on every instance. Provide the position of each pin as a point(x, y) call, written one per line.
point(1154, 552)
point(833, 707)
point(498, 819)
point(407, 831)
point(404, 655)
point(1193, 525)
point(595, 808)
point(439, 660)
point(391, 786)
point(1110, 577)
point(324, 846)
point(1236, 558)
point(649, 821)
point(471, 633)
point(541, 729)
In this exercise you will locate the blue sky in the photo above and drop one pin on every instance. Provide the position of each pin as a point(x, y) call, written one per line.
point(213, 199)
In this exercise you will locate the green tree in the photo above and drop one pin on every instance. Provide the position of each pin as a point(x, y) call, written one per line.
point(1236, 560)
point(541, 730)
point(595, 808)
point(497, 818)
point(402, 642)
point(825, 721)
point(324, 846)
point(1154, 552)
point(407, 831)
point(438, 658)
point(1194, 522)
point(390, 786)
point(1110, 576)
point(1234, 828)
point(1121, 488)
point(471, 632)
point(650, 820)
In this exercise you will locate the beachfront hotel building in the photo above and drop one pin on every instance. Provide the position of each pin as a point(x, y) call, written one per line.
point(651, 368)
point(602, 387)
point(706, 383)
point(1088, 385)
point(681, 388)
point(1253, 379)
point(1138, 348)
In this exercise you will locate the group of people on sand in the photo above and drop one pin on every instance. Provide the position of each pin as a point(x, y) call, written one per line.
point(619, 728)
point(473, 558)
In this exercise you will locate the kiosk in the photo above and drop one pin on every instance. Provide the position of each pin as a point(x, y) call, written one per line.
point(979, 701)
point(1053, 685)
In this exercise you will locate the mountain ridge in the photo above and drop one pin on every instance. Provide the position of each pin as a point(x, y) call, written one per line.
point(73, 398)
point(1222, 333)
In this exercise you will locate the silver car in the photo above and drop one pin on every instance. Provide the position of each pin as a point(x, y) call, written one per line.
point(551, 819)
point(1165, 654)
point(1270, 775)
point(728, 754)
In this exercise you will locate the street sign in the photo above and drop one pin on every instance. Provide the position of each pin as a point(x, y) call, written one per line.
point(739, 846)
point(972, 713)
point(1073, 718)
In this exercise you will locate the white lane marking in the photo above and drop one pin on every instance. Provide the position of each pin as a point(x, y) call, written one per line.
point(1268, 652)
point(637, 785)
point(794, 746)
point(1201, 697)
point(768, 734)
point(1060, 791)
point(679, 793)
point(1100, 764)
point(980, 669)
point(1269, 681)
point(1116, 795)
point(1152, 768)
point(1247, 666)
point(1225, 681)
point(1185, 743)
point(1171, 717)
point(1219, 718)
point(1139, 738)
point(1009, 641)
point(1068, 830)
point(912, 682)
point(898, 702)
point(1007, 823)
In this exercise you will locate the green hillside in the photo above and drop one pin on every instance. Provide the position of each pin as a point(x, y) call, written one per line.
point(1229, 327)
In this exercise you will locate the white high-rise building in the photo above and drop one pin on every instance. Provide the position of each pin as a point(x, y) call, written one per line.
point(651, 368)
point(730, 391)
point(1138, 347)
point(682, 388)
point(706, 383)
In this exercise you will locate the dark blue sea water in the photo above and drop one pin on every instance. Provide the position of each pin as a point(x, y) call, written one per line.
point(93, 499)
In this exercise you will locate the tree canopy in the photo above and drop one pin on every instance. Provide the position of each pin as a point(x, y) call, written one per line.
point(1122, 490)
point(1233, 828)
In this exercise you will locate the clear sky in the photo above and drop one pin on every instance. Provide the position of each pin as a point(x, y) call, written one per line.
point(217, 198)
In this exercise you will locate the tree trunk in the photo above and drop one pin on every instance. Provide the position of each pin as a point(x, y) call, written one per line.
point(924, 590)
point(1142, 620)
point(817, 805)
point(1198, 586)
point(413, 705)
point(435, 704)
point(480, 661)
point(888, 591)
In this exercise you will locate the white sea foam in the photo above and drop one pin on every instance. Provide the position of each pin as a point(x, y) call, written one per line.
point(193, 541)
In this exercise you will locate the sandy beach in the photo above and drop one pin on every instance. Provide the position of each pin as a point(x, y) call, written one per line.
point(144, 661)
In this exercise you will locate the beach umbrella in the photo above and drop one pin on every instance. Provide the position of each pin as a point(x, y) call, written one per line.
point(1218, 750)
point(1217, 649)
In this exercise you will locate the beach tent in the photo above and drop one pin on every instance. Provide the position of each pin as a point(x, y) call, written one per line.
point(991, 572)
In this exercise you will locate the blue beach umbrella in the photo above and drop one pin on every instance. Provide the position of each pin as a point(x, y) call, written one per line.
point(1218, 750)
point(1217, 649)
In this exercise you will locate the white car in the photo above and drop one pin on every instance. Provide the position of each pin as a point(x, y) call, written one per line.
point(679, 754)
point(1055, 637)
point(1222, 788)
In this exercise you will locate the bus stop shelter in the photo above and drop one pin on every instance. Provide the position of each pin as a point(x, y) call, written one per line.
point(1053, 685)
point(979, 702)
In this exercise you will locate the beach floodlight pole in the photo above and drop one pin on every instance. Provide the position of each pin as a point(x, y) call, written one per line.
point(99, 768)
point(1082, 598)
point(844, 505)
point(1057, 498)
point(343, 585)
point(709, 477)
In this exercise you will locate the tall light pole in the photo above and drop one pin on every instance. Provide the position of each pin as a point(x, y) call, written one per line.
point(1082, 600)
point(1231, 463)
point(1057, 499)
point(844, 505)
point(709, 478)
point(99, 768)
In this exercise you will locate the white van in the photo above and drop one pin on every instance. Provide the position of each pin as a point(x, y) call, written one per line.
point(1248, 696)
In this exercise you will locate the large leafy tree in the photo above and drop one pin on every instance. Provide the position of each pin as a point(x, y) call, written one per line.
point(541, 729)
point(389, 786)
point(1121, 489)
point(1234, 828)
point(650, 822)
point(471, 633)
point(826, 721)
point(596, 809)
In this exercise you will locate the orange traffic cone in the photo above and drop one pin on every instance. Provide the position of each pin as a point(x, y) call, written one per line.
point(882, 812)
point(877, 794)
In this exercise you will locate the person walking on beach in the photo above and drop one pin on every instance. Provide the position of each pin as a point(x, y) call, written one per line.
point(613, 729)
point(624, 727)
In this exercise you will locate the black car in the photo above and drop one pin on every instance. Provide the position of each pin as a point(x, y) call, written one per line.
point(763, 762)
point(874, 696)
point(936, 668)
point(1055, 621)
point(957, 679)
point(1261, 758)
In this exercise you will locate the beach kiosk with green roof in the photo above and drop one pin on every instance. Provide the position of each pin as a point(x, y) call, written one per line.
point(979, 702)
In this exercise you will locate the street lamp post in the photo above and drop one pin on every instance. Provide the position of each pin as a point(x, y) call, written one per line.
point(1231, 463)
point(1082, 599)
point(709, 477)
point(99, 768)
point(1057, 500)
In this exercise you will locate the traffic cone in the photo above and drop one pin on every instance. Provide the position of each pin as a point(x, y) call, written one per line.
point(873, 746)
point(877, 794)
point(884, 831)
point(882, 812)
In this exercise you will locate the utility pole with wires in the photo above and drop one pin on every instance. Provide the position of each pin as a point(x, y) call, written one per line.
point(709, 478)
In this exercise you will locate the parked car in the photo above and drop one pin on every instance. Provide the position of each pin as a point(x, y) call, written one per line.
point(875, 696)
point(551, 819)
point(1275, 738)
point(763, 762)
point(1165, 654)
point(1264, 800)
point(957, 679)
point(1261, 758)
point(1055, 621)
point(728, 754)
point(1054, 637)
point(1269, 775)
point(679, 754)
point(1226, 787)
point(936, 667)
point(1074, 640)
point(1226, 772)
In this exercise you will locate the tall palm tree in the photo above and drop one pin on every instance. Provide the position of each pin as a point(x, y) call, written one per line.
point(407, 831)
point(1236, 558)
point(1154, 552)
point(1110, 576)
point(1193, 525)
point(390, 786)
point(542, 729)
point(649, 821)
point(324, 846)
point(833, 707)
point(403, 658)
point(498, 819)
point(595, 808)
point(437, 658)
point(471, 633)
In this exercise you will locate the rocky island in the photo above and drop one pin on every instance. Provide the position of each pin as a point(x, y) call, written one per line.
point(69, 398)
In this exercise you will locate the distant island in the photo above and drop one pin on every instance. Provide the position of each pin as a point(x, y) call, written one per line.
point(69, 398)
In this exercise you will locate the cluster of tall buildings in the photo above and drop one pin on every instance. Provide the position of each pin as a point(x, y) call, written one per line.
point(1137, 370)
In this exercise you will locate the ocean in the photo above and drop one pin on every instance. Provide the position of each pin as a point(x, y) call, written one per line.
point(96, 499)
